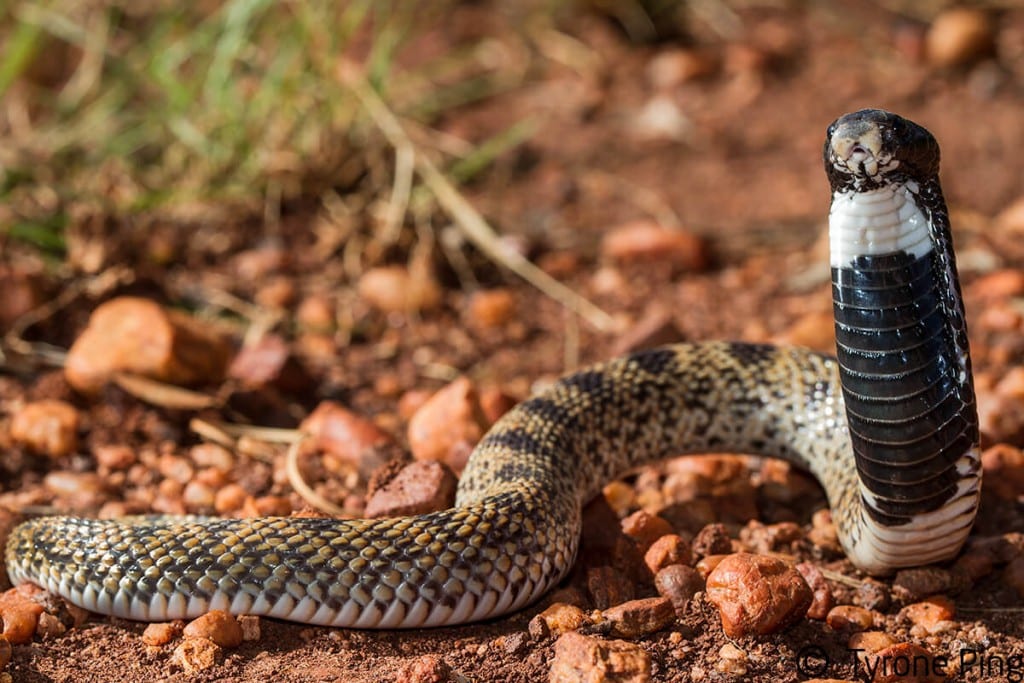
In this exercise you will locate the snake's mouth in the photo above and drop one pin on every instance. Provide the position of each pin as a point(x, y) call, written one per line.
point(856, 149)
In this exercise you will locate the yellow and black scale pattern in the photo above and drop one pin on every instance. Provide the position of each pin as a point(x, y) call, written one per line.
point(515, 528)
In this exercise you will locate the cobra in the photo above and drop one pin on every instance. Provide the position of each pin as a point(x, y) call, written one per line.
point(888, 427)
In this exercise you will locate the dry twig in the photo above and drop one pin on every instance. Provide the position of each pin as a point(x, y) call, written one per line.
point(291, 466)
point(466, 217)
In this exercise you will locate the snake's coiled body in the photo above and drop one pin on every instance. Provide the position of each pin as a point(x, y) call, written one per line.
point(901, 475)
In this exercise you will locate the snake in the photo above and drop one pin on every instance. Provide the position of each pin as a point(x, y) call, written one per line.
point(888, 426)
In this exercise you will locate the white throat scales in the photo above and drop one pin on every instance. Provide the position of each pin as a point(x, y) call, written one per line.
point(877, 222)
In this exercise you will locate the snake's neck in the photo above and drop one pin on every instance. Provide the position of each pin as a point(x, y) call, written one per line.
point(875, 223)
point(904, 367)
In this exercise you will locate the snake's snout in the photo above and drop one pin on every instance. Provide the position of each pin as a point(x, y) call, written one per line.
point(857, 148)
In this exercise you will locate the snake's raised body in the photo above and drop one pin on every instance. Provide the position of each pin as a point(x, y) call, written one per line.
point(888, 427)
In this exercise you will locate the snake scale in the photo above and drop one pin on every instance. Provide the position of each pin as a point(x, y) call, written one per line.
point(888, 427)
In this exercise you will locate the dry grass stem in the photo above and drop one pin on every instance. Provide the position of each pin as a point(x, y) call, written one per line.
point(466, 217)
point(317, 501)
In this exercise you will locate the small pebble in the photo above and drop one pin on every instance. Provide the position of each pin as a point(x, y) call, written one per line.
point(49, 626)
point(229, 499)
point(713, 539)
point(667, 550)
point(644, 240)
point(920, 582)
point(586, 659)
point(538, 629)
point(315, 313)
point(823, 600)
point(48, 427)
point(873, 595)
point(22, 293)
point(176, 467)
point(660, 118)
point(757, 594)
point(974, 564)
point(217, 626)
point(679, 584)
point(259, 262)
point(397, 289)
point(197, 654)
point(849, 618)
point(347, 436)
point(620, 496)
point(491, 308)
point(80, 489)
point(411, 401)
point(713, 470)
point(870, 641)
point(162, 633)
point(250, 625)
point(636, 618)
point(960, 36)
point(448, 425)
point(672, 67)
point(212, 477)
point(198, 498)
point(321, 348)
point(20, 613)
point(139, 336)
point(607, 281)
point(429, 668)
point(269, 506)
point(418, 488)
point(494, 403)
point(732, 661)
point(267, 361)
point(276, 292)
point(707, 564)
point(114, 457)
point(823, 532)
point(514, 644)
point(763, 539)
point(932, 615)
point(559, 618)
point(645, 528)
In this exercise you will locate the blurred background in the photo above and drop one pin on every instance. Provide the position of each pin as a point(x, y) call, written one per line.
point(147, 132)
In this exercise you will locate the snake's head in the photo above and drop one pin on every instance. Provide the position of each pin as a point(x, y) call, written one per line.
point(871, 148)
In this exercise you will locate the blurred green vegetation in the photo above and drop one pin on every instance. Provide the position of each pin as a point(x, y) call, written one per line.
point(127, 107)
